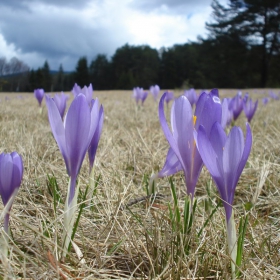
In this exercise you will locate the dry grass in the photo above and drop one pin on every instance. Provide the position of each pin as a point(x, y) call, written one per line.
point(135, 242)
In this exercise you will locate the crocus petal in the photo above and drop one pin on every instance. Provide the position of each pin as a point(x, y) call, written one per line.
point(171, 166)
point(95, 139)
point(218, 139)
point(165, 126)
point(94, 119)
point(17, 170)
point(182, 126)
point(209, 157)
point(58, 129)
point(6, 174)
point(207, 152)
point(246, 152)
point(77, 125)
point(208, 111)
point(215, 92)
point(233, 151)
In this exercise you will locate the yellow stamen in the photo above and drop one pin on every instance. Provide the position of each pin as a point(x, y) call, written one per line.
point(194, 120)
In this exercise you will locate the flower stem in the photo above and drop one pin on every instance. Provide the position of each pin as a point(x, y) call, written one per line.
point(69, 216)
point(232, 243)
point(5, 215)
point(4, 243)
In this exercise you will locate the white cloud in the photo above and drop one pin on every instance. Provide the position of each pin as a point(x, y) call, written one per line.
point(7, 50)
point(165, 29)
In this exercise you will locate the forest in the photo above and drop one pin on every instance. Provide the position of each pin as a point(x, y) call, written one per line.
point(242, 50)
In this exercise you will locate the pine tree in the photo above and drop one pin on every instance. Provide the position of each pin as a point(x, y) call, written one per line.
point(47, 78)
point(59, 85)
point(82, 72)
point(257, 22)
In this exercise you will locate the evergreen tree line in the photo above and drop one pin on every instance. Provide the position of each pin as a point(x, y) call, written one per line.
point(241, 51)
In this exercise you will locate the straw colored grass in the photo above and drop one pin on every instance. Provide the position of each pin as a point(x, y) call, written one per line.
point(122, 233)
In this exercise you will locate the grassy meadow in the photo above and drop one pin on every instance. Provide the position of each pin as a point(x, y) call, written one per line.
point(123, 233)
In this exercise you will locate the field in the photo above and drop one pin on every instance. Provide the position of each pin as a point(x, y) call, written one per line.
point(123, 233)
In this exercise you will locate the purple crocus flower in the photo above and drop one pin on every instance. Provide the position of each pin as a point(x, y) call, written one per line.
point(183, 153)
point(60, 101)
point(225, 157)
point(96, 136)
point(191, 95)
point(86, 91)
point(39, 94)
point(265, 100)
point(236, 105)
point(155, 91)
point(139, 94)
point(74, 135)
point(249, 108)
point(11, 171)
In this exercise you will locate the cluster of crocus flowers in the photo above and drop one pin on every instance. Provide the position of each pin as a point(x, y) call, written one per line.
point(79, 133)
point(155, 90)
point(232, 108)
point(225, 157)
point(139, 95)
point(11, 171)
point(200, 139)
point(183, 153)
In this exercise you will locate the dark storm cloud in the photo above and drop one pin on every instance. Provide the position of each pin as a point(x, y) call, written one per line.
point(57, 37)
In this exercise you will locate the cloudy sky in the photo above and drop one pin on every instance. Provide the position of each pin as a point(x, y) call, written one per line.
point(61, 31)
